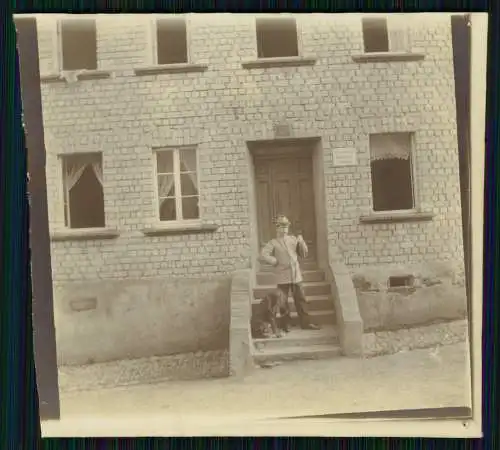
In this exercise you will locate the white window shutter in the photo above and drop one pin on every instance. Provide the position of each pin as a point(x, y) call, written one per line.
point(399, 33)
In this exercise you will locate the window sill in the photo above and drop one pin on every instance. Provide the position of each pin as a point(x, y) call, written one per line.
point(80, 76)
point(84, 234)
point(51, 78)
point(396, 217)
point(185, 228)
point(285, 61)
point(170, 68)
point(387, 57)
point(93, 75)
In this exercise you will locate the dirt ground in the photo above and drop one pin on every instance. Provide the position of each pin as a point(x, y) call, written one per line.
point(427, 378)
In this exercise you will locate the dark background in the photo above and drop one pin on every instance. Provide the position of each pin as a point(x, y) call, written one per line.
point(44, 339)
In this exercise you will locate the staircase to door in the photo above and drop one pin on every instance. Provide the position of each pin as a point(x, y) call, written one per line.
point(301, 344)
point(284, 185)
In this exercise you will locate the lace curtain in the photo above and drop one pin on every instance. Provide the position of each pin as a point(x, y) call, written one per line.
point(189, 165)
point(165, 184)
point(73, 173)
point(390, 146)
point(187, 159)
point(75, 168)
point(97, 169)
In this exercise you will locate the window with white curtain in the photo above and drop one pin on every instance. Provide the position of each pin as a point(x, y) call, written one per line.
point(83, 190)
point(177, 184)
point(392, 171)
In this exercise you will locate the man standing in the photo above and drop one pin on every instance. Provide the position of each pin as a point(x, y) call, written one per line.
point(282, 253)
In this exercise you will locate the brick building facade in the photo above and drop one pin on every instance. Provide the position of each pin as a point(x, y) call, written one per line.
point(191, 134)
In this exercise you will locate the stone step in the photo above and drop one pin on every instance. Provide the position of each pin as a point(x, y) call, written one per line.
point(267, 278)
point(314, 303)
point(310, 289)
point(300, 338)
point(322, 318)
point(293, 353)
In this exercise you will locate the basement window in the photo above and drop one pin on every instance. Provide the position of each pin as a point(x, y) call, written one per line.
point(405, 281)
point(78, 44)
point(83, 190)
point(277, 37)
point(375, 34)
point(171, 41)
point(391, 172)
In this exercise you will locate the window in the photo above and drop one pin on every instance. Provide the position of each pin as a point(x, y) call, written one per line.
point(171, 41)
point(276, 37)
point(391, 172)
point(375, 34)
point(83, 190)
point(177, 183)
point(78, 44)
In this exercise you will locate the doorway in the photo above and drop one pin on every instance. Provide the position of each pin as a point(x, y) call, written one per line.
point(284, 185)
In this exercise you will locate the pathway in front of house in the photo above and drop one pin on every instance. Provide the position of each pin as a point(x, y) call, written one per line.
point(426, 378)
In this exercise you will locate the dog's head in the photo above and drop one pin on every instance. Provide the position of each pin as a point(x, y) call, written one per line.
point(266, 330)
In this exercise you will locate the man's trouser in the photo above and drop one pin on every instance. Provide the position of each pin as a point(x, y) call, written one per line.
point(299, 299)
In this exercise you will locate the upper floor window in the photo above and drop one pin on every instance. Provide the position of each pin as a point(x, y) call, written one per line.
point(78, 38)
point(83, 190)
point(276, 37)
point(392, 172)
point(177, 184)
point(171, 40)
point(375, 34)
point(384, 34)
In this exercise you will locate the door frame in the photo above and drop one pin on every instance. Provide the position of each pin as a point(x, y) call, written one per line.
point(274, 148)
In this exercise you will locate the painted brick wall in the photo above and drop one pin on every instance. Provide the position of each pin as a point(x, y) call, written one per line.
point(223, 107)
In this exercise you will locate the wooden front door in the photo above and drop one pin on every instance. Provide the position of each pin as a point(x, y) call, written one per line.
point(284, 185)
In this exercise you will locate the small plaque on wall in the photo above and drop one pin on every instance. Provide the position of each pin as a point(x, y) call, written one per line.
point(344, 157)
point(282, 130)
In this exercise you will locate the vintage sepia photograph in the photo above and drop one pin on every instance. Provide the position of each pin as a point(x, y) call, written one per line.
point(251, 217)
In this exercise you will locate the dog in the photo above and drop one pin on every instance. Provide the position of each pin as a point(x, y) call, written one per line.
point(272, 316)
